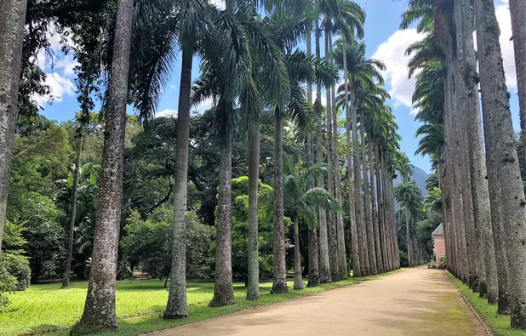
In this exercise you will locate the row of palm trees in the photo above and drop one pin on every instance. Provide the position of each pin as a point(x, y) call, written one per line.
point(483, 197)
point(249, 64)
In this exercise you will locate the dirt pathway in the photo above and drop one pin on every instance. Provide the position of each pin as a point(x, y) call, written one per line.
point(411, 303)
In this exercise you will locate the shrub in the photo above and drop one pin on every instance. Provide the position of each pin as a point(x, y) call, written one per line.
point(17, 266)
point(7, 284)
point(404, 262)
point(442, 261)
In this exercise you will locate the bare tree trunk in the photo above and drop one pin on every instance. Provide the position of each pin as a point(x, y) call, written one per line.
point(12, 20)
point(374, 214)
point(224, 290)
point(357, 272)
point(495, 103)
point(325, 273)
point(367, 202)
point(314, 271)
point(358, 199)
point(99, 310)
point(73, 210)
point(488, 286)
point(408, 229)
point(298, 280)
point(280, 268)
point(518, 13)
point(177, 306)
point(253, 186)
point(381, 218)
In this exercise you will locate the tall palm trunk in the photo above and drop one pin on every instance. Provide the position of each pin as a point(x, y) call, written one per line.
point(518, 13)
point(325, 272)
point(340, 231)
point(357, 271)
point(331, 217)
point(381, 217)
point(253, 186)
point(12, 20)
point(177, 306)
point(280, 268)
point(99, 310)
point(408, 229)
point(466, 99)
point(314, 272)
point(359, 209)
point(479, 185)
point(298, 280)
point(223, 290)
point(367, 202)
point(372, 191)
point(73, 209)
point(495, 103)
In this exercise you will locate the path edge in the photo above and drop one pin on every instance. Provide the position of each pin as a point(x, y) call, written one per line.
point(487, 327)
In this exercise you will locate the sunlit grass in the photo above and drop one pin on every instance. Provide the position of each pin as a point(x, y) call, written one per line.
point(49, 309)
point(499, 324)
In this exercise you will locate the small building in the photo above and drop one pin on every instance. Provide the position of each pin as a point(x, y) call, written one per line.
point(439, 242)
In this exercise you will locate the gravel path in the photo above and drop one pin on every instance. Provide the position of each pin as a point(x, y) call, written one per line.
point(410, 303)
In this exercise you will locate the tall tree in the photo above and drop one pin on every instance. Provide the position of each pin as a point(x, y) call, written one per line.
point(408, 194)
point(99, 310)
point(12, 20)
point(495, 101)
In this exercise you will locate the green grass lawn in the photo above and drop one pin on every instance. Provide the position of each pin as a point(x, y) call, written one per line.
point(499, 324)
point(140, 303)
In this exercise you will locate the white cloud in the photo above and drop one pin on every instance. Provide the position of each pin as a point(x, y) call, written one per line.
point(59, 86)
point(218, 3)
point(166, 113)
point(508, 53)
point(392, 53)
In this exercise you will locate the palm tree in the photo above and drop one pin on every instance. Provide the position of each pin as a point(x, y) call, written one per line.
point(303, 203)
point(361, 72)
point(408, 194)
point(12, 20)
point(99, 310)
point(499, 133)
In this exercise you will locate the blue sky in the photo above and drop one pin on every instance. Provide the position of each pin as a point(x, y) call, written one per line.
point(384, 42)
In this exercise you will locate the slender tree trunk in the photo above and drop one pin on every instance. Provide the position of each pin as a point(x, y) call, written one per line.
point(325, 272)
point(224, 290)
point(253, 186)
point(358, 199)
point(12, 20)
point(177, 306)
point(381, 219)
point(314, 270)
point(298, 280)
point(495, 101)
point(372, 192)
point(518, 13)
point(99, 310)
point(331, 217)
point(488, 286)
point(73, 210)
point(367, 202)
point(464, 40)
point(408, 230)
point(280, 268)
point(340, 232)
point(352, 212)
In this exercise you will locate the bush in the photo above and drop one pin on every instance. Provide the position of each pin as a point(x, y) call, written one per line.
point(17, 266)
point(442, 261)
point(404, 261)
point(7, 284)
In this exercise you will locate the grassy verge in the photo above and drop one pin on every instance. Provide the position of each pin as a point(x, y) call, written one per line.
point(50, 310)
point(499, 324)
